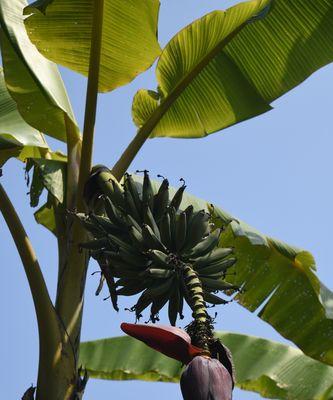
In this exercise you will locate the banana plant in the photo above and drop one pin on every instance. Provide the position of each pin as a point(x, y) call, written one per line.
point(147, 237)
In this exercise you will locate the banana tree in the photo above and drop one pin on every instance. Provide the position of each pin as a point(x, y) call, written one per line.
point(223, 68)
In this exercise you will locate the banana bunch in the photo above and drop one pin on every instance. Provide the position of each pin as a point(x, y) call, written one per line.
point(146, 243)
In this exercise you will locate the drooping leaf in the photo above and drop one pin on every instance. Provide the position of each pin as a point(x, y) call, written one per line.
point(221, 70)
point(61, 30)
point(269, 368)
point(48, 174)
point(33, 81)
point(45, 216)
point(279, 282)
point(17, 138)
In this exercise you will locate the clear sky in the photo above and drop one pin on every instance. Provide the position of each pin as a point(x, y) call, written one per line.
point(274, 172)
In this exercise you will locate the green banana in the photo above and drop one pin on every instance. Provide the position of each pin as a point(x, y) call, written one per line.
point(161, 200)
point(217, 267)
point(96, 231)
point(131, 186)
point(160, 288)
point(118, 195)
point(165, 230)
point(181, 231)
point(159, 258)
point(213, 299)
point(149, 219)
point(189, 213)
point(147, 191)
point(105, 224)
point(213, 284)
point(173, 221)
point(111, 285)
point(214, 256)
point(137, 238)
point(133, 285)
point(130, 206)
point(143, 302)
point(136, 260)
point(123, 273)
point(197, 229)
point(113, 214)
point(181, 303)
point(157, 305)
point(132, 222)
point(174, 305)
point(206, 245)
point(178, 197)
point(100, 285)
point(121, 244)
point(158, 273)
point(96, 244)
point(150, 239)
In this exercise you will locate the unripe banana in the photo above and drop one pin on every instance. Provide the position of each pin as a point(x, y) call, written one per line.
point(213, 284)
point(213, 299)
point(214, 256)
point(161, 200)
point(160, 258)
point(174, 305)
point(131, 186)
point(206, 245)
point(178, 197)
point(217, 267)
point(150, 239)
point(147, 191)
point(197, 229)
point(181, 231)
point(149, 219)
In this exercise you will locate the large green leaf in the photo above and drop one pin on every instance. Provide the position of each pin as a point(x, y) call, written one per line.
point(17, 138)
point(279, 281)
point(61, 30)
point(221, 70)
point(33, 81)
point(269, 368)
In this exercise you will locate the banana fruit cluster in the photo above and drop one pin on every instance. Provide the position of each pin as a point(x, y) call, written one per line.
point(146, 243)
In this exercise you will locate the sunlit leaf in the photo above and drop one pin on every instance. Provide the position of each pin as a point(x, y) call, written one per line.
point(271, 369)
point(33, 81)
point(48, 174)
point(17, 138)
point(280, 284)
point(221, 69)
point(61, 30)
point(45, 216)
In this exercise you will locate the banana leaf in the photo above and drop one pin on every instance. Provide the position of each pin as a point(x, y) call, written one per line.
point(61, 30)
point(33, 81)
point(17, 138)
point(229, 66)
point(271, 369)
point(48, 174)
point(45, 216)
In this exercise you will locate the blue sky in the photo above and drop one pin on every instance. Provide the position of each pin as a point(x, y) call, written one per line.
point(274, 172)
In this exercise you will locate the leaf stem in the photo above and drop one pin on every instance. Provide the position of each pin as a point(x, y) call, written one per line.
point(91, 101)
point(72, 277)
point(50, 332)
